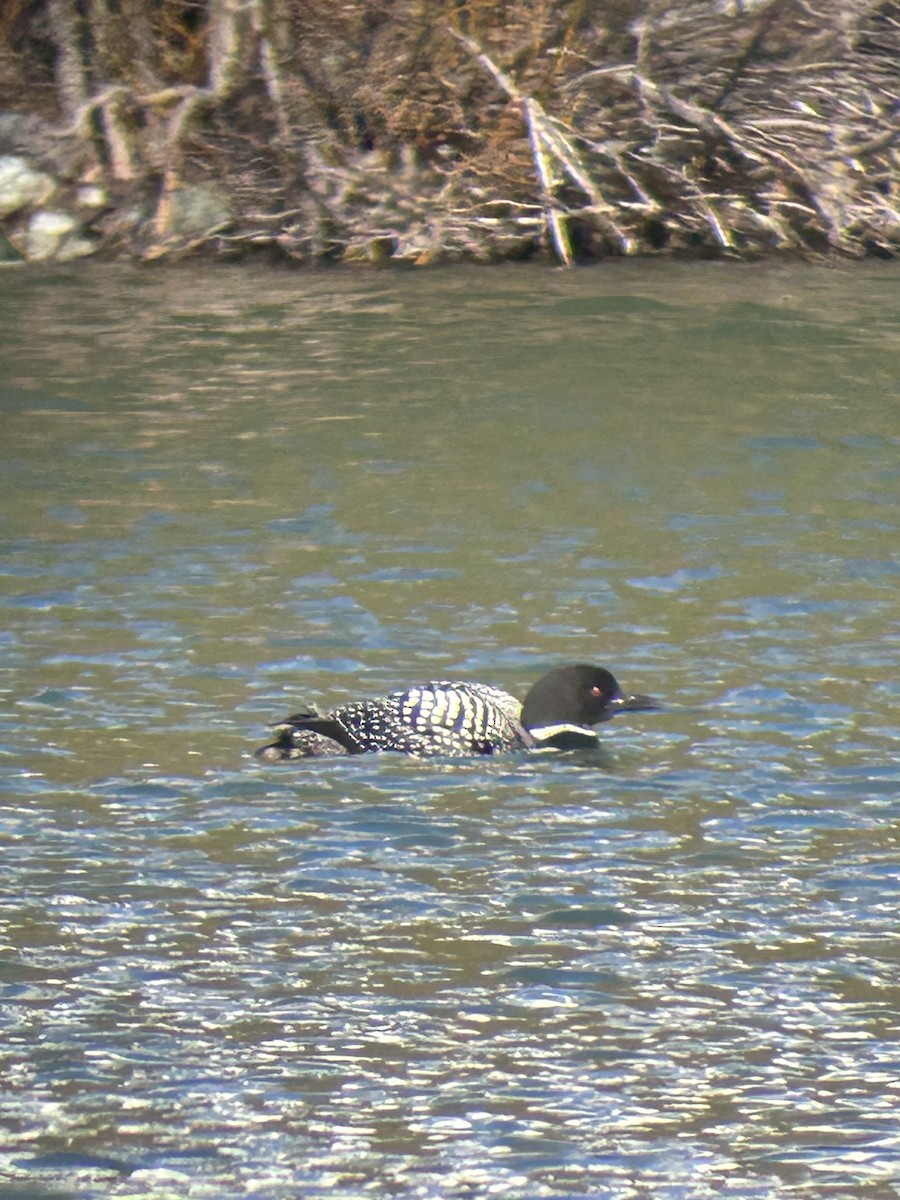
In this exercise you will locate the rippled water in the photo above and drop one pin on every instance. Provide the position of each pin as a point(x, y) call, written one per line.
point(669, 969)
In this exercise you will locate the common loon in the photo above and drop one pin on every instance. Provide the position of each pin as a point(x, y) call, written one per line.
point(461, 719)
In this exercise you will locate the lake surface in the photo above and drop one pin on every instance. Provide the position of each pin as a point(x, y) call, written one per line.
point(670, 969)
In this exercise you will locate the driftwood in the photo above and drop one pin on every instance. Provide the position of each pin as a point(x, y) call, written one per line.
point(422, 130)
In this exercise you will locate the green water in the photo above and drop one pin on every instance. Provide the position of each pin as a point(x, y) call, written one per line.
point(670, 970)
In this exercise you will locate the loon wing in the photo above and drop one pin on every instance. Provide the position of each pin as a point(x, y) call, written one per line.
point(307, 734)
point(328, 727)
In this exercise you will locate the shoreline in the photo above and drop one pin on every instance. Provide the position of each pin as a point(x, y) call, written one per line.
point(418, 134)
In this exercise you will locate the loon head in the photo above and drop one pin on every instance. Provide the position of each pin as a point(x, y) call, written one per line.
point(564, 705)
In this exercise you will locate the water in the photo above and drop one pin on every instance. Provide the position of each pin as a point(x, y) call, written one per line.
point(666, 970)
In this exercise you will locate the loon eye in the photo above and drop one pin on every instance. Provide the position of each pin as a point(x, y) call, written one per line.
point(595, 691)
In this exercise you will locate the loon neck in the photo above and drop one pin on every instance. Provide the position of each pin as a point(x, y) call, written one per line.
point(563, 737)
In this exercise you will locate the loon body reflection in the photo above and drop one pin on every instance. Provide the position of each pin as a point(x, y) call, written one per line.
point(461, 719)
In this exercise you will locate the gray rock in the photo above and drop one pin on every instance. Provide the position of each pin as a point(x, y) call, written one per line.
point(16, 130)
point(21, 185)
point(55, 236)
point(194, 210)
point(8, 253)
point(48, 149)
point(91, 195)
point(75, 247)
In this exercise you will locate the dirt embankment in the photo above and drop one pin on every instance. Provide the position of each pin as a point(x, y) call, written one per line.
point(434, 130)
